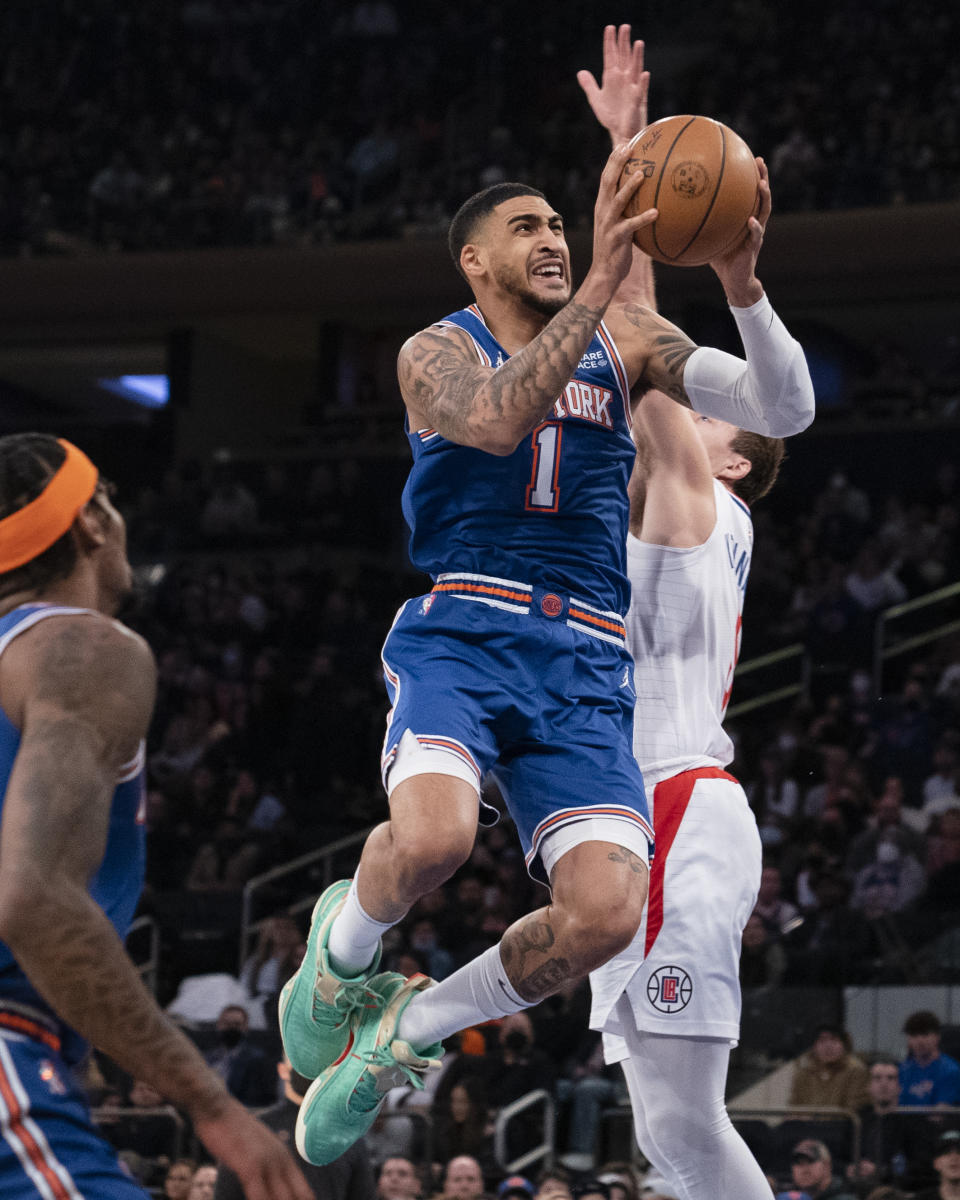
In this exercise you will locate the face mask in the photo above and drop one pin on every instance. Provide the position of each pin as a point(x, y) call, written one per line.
point(424, 944)
point(231, 1037)
point(515, 1041)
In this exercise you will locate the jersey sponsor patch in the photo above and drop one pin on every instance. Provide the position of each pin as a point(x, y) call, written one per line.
point(669, 989)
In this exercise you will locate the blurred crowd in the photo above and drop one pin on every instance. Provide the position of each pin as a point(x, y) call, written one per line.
point(260, 122)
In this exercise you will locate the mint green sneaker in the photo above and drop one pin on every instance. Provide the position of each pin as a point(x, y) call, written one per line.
point(316, 1003)
point(343, 1103)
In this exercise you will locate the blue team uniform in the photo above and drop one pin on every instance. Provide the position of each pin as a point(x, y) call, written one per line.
point(936, 1083)
point(49, 1147)
point(515, 662)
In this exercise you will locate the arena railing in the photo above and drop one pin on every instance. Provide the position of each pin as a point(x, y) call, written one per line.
point(539, 1153)
point(148, 967)
point(107, 1115)
point(321, 860)
point(885, 647)
point(795, 651)
point(811, 1116)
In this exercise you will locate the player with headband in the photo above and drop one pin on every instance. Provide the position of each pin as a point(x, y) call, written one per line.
point(76, 694)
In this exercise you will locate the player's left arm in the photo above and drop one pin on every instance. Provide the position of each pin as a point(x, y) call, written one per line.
point(770, 393)
point(672, 500)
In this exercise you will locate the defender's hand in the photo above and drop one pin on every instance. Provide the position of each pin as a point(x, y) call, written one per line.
point(619, 101)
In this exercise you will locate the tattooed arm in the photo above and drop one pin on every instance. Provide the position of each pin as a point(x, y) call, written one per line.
point(447, 389)
point(770, 392)
point(81, 690)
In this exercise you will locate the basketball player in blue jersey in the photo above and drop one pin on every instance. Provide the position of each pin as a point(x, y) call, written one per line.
point(76, 693)
point(514, 665)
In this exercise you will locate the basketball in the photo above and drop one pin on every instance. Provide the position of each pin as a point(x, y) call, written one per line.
point(703, 179)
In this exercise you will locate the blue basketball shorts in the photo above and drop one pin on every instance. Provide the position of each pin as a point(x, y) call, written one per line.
point(487, 675)
point(49, 1147)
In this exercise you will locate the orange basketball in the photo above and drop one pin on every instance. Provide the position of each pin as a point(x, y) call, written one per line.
point(703, 179)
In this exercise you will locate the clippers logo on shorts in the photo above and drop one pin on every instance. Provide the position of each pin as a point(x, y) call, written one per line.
point(669, 989)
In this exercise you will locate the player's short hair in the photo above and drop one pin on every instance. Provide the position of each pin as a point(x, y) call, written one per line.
point(765, 455)
point(468, 216)
point(27, 463)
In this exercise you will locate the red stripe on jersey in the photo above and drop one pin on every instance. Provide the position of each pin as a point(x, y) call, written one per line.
point(17, 1129)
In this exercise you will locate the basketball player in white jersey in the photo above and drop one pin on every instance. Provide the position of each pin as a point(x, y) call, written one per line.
point(669, 1005)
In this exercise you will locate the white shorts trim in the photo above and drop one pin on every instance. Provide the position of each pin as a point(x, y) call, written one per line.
point(417, 754)
point(592, 829)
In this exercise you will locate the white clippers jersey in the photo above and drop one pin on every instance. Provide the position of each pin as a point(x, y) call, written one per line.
point(683, 630)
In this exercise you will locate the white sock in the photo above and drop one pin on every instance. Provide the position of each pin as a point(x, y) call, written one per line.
point(479, 991)
point(354, 936)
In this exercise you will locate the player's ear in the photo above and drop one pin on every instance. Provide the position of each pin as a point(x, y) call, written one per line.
point(471, 260)
point(90, 525)
point(738, 467)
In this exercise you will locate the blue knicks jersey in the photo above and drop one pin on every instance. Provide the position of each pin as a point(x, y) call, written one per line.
point(117, 884)
point(554, 512)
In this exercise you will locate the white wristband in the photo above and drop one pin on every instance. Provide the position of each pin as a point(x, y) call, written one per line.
point(771, 393)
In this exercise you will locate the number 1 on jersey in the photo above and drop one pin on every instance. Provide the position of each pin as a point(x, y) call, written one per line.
point(543, 495)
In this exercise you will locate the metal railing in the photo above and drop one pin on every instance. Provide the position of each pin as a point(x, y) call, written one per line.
point(322, 857)
point(107, 1116)
point(804, 1112)
point(544, 1151)
point(795, 650)
point(883, 651)
point(149, 967)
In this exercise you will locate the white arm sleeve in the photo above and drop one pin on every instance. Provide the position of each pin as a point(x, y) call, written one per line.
point(771, 393)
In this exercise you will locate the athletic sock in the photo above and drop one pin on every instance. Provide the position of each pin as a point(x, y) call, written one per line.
point(479, 991)
point(354, 936)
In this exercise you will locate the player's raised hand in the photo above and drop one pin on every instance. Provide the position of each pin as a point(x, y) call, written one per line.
point(264, 1166)
point(619, 101)
point(613, 223)
point(736, 269)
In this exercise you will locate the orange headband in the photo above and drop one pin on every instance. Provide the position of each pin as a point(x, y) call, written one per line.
point(34, 528)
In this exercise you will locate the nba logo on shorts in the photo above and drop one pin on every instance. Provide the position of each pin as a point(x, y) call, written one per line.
point(669, 989)
point(426, 604)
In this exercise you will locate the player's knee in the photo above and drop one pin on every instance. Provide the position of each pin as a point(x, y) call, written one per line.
point(603, 924)
point(679, 1130)
point(425, 863)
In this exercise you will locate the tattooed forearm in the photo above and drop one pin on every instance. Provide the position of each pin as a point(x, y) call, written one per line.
point(470, 404)
point(74, 958)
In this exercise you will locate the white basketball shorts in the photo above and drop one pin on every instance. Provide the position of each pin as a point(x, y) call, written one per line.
point(681, 972)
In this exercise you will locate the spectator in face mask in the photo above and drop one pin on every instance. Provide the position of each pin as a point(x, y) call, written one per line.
point(890, 882)
point(244, 1068)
